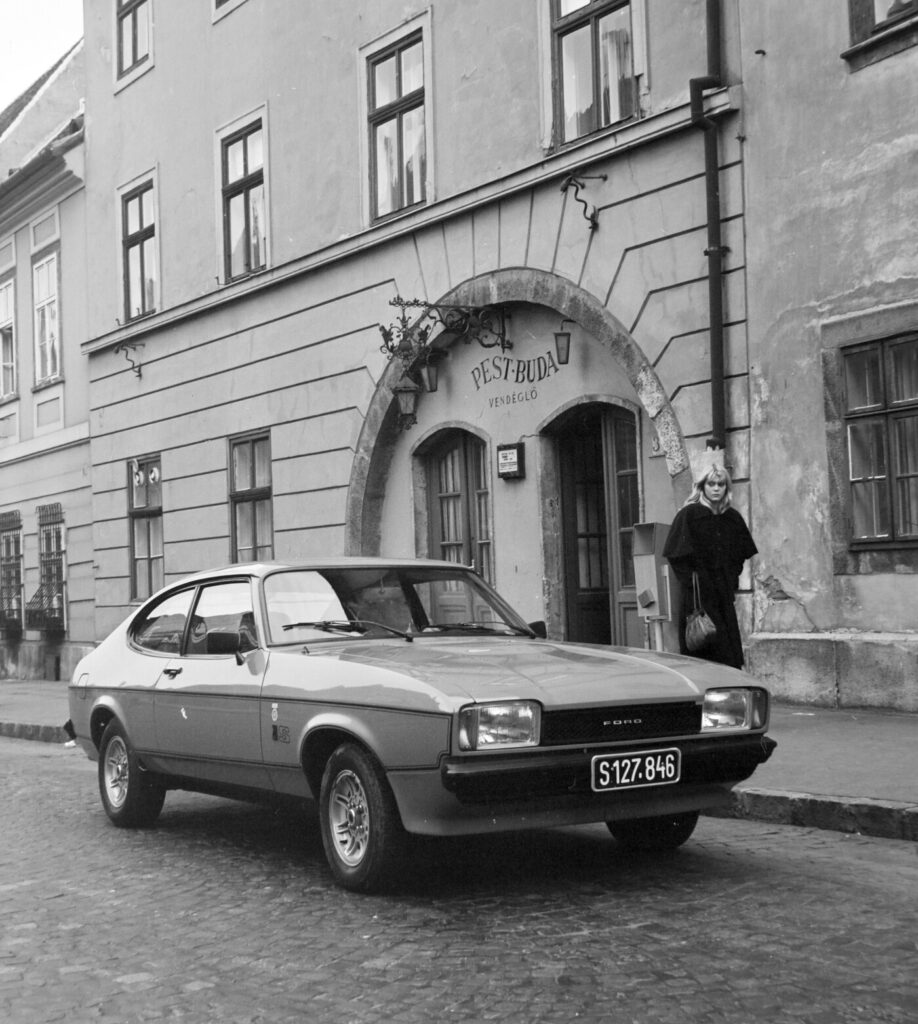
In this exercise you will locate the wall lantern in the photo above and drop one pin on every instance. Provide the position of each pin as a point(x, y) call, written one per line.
point(563, 343)
point(410, 343)
point(406, 393)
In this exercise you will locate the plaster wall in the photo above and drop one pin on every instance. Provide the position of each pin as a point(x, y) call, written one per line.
point(830, 242)
point(46, 459)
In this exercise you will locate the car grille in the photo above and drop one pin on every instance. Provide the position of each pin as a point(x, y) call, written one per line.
point(615, 724)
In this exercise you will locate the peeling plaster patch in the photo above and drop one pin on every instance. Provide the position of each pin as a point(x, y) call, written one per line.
point(650, 391)
point(670, 437)
point(873, 160)
point(779, 611)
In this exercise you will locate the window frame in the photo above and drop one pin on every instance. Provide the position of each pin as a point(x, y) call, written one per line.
point(138, 239)
point(197, 630)
point(886, 411)
point(591, 14)
point(138, 12)
point(423, 24)
point(474, 499)
point(252, 495)
point(395, 112)
point(53, 300)
point(9, 367)
point(47, 608)
point(147, 516)
point(873, 40)
point(220, 8)
point(243, 186)
point(12, 603)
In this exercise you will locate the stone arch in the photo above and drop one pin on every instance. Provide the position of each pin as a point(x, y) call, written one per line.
point(378, 436)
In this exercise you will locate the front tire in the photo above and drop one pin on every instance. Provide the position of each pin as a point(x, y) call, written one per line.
point(362, 832)
point(132, 798)
point(666, 832)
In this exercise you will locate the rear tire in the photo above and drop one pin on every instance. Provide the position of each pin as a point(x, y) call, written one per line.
point(132, 798)
point(666, 832)
point(362, 832)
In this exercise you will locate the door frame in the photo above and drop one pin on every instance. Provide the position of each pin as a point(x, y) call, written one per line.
point(553, 541)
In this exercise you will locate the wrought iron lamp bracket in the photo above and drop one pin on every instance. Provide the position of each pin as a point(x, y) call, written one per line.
point(129, 350)
point(576, 182)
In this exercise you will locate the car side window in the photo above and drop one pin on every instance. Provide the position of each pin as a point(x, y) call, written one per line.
point(162, 628)
point(221, 611)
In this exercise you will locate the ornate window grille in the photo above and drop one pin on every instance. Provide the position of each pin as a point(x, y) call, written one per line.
point(47, 608)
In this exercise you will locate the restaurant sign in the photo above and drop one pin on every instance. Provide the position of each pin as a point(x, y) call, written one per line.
point(522, 374)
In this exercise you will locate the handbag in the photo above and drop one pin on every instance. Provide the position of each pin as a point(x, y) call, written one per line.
point(699, 629)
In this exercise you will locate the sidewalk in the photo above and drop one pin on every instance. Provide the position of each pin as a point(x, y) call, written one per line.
point(847, 770)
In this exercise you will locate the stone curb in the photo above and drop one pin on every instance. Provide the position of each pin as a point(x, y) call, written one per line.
point(885, 819)
point(42, 733)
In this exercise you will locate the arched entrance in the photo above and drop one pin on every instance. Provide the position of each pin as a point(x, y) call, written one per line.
point(376, 444)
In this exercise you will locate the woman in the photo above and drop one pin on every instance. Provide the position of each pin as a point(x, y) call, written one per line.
point(710, 538)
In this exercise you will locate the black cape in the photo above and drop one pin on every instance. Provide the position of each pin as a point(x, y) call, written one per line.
point(715, 546)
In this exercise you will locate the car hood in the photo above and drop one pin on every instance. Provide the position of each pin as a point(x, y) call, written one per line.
point(444, 673)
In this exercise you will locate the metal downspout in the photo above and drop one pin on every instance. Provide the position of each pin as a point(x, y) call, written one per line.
point(715, 250)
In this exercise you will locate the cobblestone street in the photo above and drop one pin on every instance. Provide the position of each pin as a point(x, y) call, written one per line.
point(226, 913)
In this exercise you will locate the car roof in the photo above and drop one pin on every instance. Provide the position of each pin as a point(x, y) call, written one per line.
point(262, 569)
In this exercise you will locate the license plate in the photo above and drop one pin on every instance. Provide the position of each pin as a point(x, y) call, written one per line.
point(630, 771)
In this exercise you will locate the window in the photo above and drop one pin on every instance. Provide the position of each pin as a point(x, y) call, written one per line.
point(146, 514)
point(138, 229)
point(250, 499)
point(133, 18)
point(7, 341)
point(220, 8)
point(460, 513)
point(594, 66)
point(871, 16)
point(163, 626)
point(398, 147)
point(46, 609)
point(10, 571)
point(222, 612)
point(881, 417)
point(47, 339)
point(244, 222)
point(879, 29)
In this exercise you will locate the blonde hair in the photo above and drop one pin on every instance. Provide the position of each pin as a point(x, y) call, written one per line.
point(713, 474)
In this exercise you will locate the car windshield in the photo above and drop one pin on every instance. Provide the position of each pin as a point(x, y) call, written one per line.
point(410, 601)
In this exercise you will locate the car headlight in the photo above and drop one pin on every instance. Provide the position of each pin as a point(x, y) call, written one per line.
point(739, 708)
point(487, 726)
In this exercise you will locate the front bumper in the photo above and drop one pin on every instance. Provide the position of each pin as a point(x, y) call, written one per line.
point(539, 789)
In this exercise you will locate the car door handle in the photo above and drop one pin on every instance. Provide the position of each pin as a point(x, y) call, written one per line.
point(171, 672)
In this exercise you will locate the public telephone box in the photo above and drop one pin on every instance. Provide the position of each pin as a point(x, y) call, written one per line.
point(658, 593)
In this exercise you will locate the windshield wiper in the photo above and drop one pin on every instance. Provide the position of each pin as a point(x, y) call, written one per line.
point(348, 626)
point(481, 627)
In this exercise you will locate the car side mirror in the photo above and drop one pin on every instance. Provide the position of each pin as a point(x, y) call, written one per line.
point(539, 629)
point(225, 641)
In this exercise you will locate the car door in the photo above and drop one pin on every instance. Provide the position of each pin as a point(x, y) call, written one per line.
point(154, 645)
point(206, 703)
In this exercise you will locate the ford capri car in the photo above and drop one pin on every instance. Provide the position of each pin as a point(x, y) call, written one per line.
point(404, 697)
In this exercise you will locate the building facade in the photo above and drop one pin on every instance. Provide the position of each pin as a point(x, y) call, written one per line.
point(266, 189)
point(46, 564)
